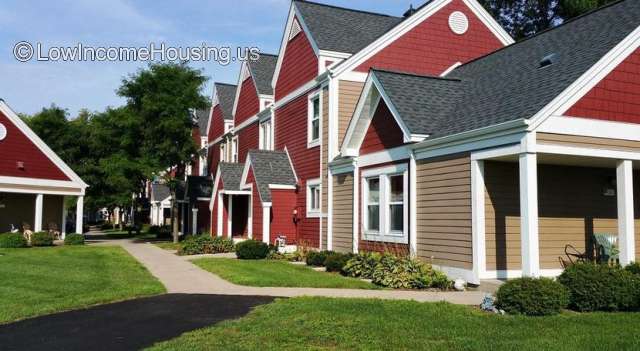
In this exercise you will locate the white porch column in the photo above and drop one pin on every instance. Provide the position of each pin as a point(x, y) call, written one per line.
point(194, 221)
point(356, 207)
point(529, 215)
point(63, 222)
point(478, 220)
point(37, 221)
point(219, 221)
point(229, 214)
point(266, 224)
point(413, 227)
point(626, 235)
point(79, 214)
point(185, 218)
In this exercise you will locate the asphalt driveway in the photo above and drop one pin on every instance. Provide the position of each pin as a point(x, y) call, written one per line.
point(128, 325)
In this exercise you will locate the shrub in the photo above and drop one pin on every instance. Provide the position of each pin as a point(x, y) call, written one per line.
point(594, 287)
point(336, 261)
point(317, 258)
point(407, 273)
point(41, 239)
point(634, 268)
point(362, 265)
point(532, 296)
point(252, 250)
point(74, 239)
point(154, 229)
point(205, 244)
point(12, 240)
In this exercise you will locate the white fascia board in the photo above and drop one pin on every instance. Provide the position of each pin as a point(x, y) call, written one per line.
point(40, 144)
point(245, 172)
point(590, 127)
point(214, 193)
point(295, 174)
point(579, 88)
point(282, 187)
point(451, 68)
point(239, 87)
point(214, 102)
point(39, 190)
point(303, 89)
point(394, 111)
point(362, 100)
point(587, 152)
point(237, 192)
point(384, 156)
point(249, 121)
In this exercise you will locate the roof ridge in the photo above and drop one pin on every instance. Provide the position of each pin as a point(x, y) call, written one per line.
point(346, 8)
point(416, 75)
point(227, 84)
point(267, 54)
point(569, 21)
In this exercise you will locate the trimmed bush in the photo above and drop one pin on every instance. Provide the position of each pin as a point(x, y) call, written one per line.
point(362, 265)
point(594, 287)
point(336, 261)
point(532, 297)
point(406, 273)
point(205, 244)
point(252, 250)
point(317, 258)
point(12, 240)
point(154, 229)
point(74, 239)
point(633, 268)
point(41, 239)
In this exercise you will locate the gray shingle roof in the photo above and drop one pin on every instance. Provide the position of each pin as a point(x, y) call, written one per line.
point(226, 95)
point(198, 187)
point(509, 84)
point(262, 72)
point(231, 174)
point(159, 192)
point(343, 30)
point(270, 167)
point(203, 120)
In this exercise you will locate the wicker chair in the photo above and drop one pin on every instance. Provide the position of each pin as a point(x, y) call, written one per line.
point(606, 248)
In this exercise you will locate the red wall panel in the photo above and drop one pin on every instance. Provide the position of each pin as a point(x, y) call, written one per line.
point(431, 47)
point(248, 102)
point(204, 217)
point(616, 97)
point(291, 132)
point(214, 158)
point(299, 65)
point(217, 124)
point(17, 147)
point(248, 139)
point(383, 133)
point(283, 203)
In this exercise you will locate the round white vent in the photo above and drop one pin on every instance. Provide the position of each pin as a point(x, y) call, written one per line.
point(458, 22)
point(3, 132)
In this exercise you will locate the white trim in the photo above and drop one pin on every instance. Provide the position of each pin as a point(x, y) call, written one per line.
point(626, 223)
point(329, 209)
point(496, 152)
point(317, 182)
point(482, 142)
point(237, 192)
point(413, 203)
point(63, 222)
point(354, 76)
point(246, 123)
point(235, 149)
point(590, 127)
point(194, 221)
point(356, 208)
point(389, 155)
point(338, 168)
point(266, 227)
point(37, 220)
point(516, 273)
point(230, 216)
point(282, 187)
point(311, 98)
point(334, 118)
point(589, 152)
point(299, 92)
point(241, 79)
point(529, 235)
point(450, 69)
point(214, 102)
point(408, 137)
point(250, 214)
point(44, 148)
point(478, 220)
point(408, 24)
point(295, 174)
point(580, 87)
point(79, 213)
point(220, 214)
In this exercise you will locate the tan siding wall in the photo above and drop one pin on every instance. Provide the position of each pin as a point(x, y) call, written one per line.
point(323, 163)
point(343, 212)
point(349, 94)
point(443, 212)
point(571, 209)
point(581, 141)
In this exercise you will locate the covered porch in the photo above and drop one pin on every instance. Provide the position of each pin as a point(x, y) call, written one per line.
point(536, 207)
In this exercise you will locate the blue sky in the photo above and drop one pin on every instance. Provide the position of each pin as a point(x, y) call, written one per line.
point(28, 87)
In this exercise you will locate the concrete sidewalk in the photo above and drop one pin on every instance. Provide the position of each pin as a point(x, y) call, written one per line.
point(181, 276)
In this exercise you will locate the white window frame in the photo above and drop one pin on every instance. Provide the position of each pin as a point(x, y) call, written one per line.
point(312, 184)
point(235, 149)
point(310, 118)
point(266, 135)
point(385, 234)
point(223, 152)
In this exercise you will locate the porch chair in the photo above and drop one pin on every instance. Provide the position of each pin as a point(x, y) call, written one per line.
point(573, 256)
point(606, 248)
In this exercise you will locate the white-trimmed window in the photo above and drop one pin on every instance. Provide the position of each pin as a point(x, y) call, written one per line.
point(266, 135)
point(223, 152)
point(313, 128)
point(385, 204)
point(234, 149)
point(314, 192)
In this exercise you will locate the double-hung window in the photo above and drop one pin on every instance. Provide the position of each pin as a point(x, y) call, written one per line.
point(313, 128)
point(314, 192)
point(385, 204)
point(266, 138)
point(234, 149)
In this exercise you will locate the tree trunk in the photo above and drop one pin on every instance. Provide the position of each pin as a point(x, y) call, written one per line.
point(174, 217)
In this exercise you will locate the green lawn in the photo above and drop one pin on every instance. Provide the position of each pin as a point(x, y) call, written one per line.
point(38, 281)
point(277, 274)
point(361, 324)
point(124, 234)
